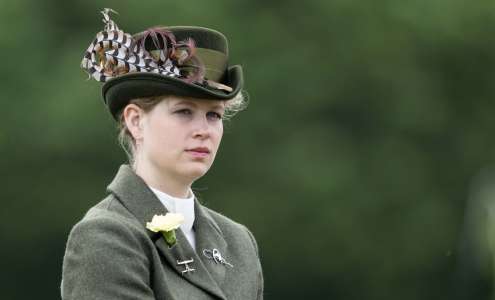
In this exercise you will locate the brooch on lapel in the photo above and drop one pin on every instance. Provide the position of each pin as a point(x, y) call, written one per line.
point(186, 265)
point(166, 224)
point(216, 257)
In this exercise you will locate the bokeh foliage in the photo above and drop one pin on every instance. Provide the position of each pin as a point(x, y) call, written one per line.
point(367, 121)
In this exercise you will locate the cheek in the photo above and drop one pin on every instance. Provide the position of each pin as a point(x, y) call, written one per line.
point(217, 136)
point(162, 137)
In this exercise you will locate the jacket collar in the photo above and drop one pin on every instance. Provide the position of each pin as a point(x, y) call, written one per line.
point(137, 197)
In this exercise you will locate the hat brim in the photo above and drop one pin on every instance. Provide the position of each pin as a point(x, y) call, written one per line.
point(118, 91)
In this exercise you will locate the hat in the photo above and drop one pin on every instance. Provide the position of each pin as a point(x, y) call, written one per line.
point(179, 60)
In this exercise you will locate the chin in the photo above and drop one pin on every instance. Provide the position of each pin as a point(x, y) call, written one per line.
point(195, 172)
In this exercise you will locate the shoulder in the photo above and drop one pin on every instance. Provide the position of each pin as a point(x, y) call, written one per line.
point(106, 225)
point(232, 229)
point(105, 249)
point(108, 212)
point(226, 224)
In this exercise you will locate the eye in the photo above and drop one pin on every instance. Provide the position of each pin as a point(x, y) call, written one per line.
point(214, 115)
point(184, 111)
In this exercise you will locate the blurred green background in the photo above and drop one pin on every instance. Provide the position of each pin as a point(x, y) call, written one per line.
point(352, 164)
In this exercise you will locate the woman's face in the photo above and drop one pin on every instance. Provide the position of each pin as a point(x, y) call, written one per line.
point(180, 136)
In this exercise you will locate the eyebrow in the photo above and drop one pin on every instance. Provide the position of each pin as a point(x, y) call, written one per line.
point(188, 102)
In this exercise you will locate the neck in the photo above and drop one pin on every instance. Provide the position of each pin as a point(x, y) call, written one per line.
point(161, 181)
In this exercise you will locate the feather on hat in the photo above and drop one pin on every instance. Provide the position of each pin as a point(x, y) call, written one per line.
point(180, 60)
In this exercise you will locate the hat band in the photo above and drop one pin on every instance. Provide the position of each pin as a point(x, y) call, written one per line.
point(215, 63)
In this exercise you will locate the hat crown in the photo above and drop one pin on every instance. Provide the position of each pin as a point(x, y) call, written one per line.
point(204, 37)
point(211, 47)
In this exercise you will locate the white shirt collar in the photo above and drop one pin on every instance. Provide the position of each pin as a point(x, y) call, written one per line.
point(184, 206)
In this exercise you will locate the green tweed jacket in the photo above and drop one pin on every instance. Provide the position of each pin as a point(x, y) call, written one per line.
point(111, 255)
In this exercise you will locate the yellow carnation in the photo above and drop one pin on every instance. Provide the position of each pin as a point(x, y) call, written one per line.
point(165, 223)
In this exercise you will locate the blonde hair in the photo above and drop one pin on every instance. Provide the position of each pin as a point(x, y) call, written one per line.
point(125, 138)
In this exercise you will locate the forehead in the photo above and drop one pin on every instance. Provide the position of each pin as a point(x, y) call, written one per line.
point(195, 102)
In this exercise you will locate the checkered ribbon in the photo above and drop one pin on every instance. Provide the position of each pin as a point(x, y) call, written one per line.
point(114, 52)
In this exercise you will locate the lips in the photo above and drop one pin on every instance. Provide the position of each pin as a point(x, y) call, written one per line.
point(199, 149)
point(199, 152)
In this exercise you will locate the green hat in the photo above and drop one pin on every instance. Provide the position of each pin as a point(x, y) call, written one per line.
point(180, 60)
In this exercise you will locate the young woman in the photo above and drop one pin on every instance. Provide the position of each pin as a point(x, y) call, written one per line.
point(170, 89)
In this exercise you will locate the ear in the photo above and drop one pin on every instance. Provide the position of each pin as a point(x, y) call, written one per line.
point(133, 117)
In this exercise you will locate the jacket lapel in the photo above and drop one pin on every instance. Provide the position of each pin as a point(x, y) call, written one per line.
point(182, 251)
point(136, 196)
point(209, 237)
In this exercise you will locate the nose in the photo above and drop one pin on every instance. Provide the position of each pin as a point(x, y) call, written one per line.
point(201, 128)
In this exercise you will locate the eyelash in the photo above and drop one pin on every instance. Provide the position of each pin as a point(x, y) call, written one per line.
point(217, 115)
point(184, 111)
point(187, 111)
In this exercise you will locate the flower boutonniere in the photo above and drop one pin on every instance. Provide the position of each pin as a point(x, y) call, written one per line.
point(166, 224)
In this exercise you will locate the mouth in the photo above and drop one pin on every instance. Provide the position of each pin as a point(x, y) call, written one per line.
point(199, 151)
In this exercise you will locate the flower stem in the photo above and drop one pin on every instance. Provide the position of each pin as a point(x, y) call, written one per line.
point(170, 237)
